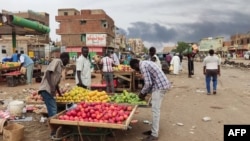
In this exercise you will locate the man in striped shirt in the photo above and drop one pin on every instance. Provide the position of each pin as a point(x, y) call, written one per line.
point(156, 83)
point(107, 70)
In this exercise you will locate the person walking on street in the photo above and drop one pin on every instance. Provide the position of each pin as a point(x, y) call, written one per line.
point(50, 84)
point(28, 63)
point(83, 69)
point(211, 69)
point(181, 58)
point(168, 58)
point(107, 70)
point(190, 55)
point(175, 62)
point(155, 81)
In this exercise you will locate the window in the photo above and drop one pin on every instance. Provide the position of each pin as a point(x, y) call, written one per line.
point(3, 50)
point(82, 22)
point(104, 23)
point(83, 37)
point(248, 40)
point(65, 13)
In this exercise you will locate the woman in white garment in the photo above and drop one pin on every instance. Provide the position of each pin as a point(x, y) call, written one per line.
point(176, 63)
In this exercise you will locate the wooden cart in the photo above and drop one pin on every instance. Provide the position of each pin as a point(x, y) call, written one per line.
point(67, 130)
point(127, 77)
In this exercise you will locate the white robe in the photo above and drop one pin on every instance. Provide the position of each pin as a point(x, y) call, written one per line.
point(176, 64)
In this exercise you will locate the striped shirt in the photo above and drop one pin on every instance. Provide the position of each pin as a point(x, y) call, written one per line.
point(107, 63)
point(154, 78)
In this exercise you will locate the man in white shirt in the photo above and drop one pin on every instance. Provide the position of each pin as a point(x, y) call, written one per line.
point(83, 69)
point(211, 69)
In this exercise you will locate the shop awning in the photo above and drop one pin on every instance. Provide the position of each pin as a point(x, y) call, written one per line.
point(78, 49)
point(95, 49)
point(73, 49)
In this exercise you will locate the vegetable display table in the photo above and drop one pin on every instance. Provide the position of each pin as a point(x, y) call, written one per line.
point(82, 129)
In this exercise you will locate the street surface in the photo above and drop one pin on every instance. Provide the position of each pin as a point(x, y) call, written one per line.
point(183, 111)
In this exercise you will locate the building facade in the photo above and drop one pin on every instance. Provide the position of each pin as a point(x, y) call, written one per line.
point(211, 43)
point(91, 28)
point(31, 44)
point(136, 45)
point(240, 43)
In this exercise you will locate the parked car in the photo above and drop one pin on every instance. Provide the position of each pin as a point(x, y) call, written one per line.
point(247, 55)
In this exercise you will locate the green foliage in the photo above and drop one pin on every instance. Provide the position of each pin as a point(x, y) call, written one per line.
point(181, 46)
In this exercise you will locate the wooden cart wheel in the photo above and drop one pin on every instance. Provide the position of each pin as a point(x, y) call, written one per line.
point(63, 132)
point(59, 132)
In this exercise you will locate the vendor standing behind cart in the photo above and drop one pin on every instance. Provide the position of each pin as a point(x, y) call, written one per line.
point(28, 63)
point(50, 83)
point(15, 56)
point(107, 69)
point(156, 82)
point(83, 69)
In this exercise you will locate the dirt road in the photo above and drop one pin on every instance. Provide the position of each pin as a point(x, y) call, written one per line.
point(183, 108)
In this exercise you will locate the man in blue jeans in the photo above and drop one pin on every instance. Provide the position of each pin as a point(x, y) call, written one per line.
point(211, 68)
point(50, 84)
point(155, 81)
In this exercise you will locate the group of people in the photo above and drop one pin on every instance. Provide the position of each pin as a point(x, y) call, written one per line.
point(156, 82)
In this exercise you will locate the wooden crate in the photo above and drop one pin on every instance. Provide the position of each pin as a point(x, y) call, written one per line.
point(123, 126)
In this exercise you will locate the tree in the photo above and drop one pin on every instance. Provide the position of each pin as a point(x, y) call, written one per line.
point(181, 46)
point(145, 50)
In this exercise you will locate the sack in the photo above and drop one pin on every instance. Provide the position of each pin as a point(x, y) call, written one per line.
point(23, 70)
point(171, 68)
point(187, 51)
point(3, 123)
point(13, 132)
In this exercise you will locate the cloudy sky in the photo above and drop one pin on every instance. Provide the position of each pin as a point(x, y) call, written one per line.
point(157, 22)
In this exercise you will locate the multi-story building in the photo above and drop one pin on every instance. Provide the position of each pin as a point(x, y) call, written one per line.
point(91, 28)
point(120, 42)
point(33, 43)
point(239, 43)
point(136, 45)
point(211, 43)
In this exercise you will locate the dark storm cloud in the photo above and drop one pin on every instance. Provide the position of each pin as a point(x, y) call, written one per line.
point(211, 25)
point(150, 32)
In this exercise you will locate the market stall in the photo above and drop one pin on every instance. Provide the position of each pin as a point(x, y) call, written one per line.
point(8, 67)
point(125, 77)
point(70, 71)
point(98, 119)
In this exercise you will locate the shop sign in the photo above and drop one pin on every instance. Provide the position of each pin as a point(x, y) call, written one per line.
point(96, 39)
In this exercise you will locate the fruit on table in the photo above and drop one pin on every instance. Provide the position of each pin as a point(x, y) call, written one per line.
point(126, 97)
point(78, 94)
point(122, 68)
point(98, 112)
point(34, 97)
